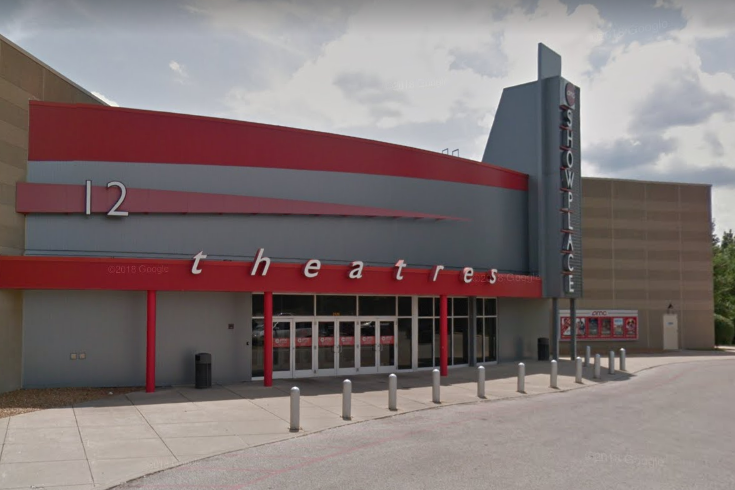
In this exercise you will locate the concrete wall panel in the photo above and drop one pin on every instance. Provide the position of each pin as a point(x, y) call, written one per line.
point(108, 326)
point(189, 323)
point(521, 323)
point(661, 245)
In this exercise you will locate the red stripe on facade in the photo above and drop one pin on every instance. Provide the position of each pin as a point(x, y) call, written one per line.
point(63, 198)
point(84, 273)
point(78, 132)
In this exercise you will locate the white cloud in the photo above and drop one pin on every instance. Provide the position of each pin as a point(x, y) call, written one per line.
point(104, 99)
point(399, 48)
point(401, 65)
point(179, 69)
point(705, 18)
point(295, 28)
point(637, 74)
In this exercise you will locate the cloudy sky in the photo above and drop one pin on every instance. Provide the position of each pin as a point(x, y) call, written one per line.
point(657, 76)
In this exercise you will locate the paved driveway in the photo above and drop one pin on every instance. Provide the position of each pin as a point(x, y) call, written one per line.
point(667, 429)
point(103, 443)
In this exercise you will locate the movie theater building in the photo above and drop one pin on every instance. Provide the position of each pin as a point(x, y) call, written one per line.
point(148, 237)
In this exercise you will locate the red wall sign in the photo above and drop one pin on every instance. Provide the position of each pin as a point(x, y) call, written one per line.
point(85, 273)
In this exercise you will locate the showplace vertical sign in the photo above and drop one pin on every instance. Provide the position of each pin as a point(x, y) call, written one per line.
point(568, 105)
point(562, 186)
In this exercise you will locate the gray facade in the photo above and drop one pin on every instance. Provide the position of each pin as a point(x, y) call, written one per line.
point(488, 227)
point(490, 213)
point(528, 135)
point(521, 323)
point(217, 323)
point(108, 329)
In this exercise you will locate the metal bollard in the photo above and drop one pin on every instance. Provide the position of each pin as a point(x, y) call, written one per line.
point(587, 355)
point(481, 382)
point(295, 395)
point(554, 374)
point(435, 379)
point(393, 392)
point(611, 367)
point(578, 374)
point(622, 359)
point(597, 366)
point(347, 399)
point(521, 377)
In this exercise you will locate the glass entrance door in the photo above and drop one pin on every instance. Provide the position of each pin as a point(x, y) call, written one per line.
point(293, 349)
point(282, 349)
point(302, 352)
point(333, 347)
point(387, 346)
point(336, 348)
point(368, 358)
point(327, 348)
point(377, 346)
point(347, 350)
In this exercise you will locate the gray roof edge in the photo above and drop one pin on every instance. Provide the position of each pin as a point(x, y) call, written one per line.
point(645, 181)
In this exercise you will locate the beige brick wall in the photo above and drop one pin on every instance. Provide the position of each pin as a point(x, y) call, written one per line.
point(22, 78)
point(648, 244)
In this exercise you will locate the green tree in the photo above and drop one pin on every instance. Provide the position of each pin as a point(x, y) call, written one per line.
point(723, 264)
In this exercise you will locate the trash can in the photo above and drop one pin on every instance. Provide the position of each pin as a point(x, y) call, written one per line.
point(202, 370)
point(543, 349)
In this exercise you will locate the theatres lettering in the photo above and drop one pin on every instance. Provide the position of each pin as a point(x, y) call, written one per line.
point(312, 267)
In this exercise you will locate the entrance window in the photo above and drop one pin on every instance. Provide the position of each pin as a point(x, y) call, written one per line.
point(336, 305)
point(460, 340)
point(293, 304)
point(286, 305)
point(426, 307)
point(374, 334)
point(426, 342)
point(377, 306)
point(486, 341)
point(258, 305)
point(461, 307)
point(258, 342)
point(281, 346)
point(457, 332)
point(404, 306)
point(404, 343)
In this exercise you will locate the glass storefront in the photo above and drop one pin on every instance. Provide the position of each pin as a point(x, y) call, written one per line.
point(486, 330)
point(342, 334)
point(458, 334)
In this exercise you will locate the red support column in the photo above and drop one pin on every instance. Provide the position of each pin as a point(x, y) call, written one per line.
point(150, 358)
point(268, 337)
point(443, 340)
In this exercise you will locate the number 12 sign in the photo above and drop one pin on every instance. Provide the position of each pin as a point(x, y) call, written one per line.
point(115, 208)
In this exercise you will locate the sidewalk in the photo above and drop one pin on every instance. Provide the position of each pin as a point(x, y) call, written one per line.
point(106, 442)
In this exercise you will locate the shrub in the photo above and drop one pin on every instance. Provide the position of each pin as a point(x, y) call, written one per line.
point(724, 330)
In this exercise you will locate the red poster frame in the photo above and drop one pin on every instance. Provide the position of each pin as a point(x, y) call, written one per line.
point(635, 327)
